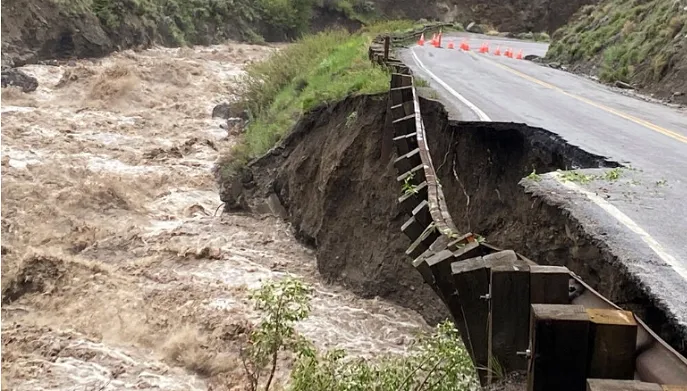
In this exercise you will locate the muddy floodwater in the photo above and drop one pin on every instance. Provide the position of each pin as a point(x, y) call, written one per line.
point(117, 271)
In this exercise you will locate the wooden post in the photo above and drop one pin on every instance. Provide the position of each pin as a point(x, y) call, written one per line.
point(620, 385)
point(471, 280)
point(558, 352)
point(612, 342)
point(509, 306)
point(549, 284)
point(386, 48)
point(441, 264)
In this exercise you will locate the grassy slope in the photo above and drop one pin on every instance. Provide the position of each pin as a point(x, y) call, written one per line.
point(318, 68)
point(636, 41)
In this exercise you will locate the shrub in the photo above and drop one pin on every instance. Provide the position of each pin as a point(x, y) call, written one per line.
point(435, 362)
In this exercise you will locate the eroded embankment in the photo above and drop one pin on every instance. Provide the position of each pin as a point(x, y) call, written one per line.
point(341, 195)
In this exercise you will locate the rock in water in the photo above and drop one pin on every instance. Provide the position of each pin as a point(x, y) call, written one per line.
point(229, 110)
point(222, 110)
point(17, 78)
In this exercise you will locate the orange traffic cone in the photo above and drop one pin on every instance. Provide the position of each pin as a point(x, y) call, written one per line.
point(484, 48)
point(421, 42)
point(519, 56)
point(465, 46)
point(434, 38)
point(450, 45)
point(497, 52)
point(438, 45)
point(508, 53)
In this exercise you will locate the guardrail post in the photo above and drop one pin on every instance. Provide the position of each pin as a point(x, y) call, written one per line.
point(549, 284)
point(558, 348)
point(509, 306)
point(471, 280)
point(613, 338)
point(386, 47)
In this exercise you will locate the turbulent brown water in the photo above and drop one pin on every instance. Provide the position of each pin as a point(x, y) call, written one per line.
point(119, 273)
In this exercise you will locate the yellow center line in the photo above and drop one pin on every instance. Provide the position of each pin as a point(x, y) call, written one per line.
point(628, 117)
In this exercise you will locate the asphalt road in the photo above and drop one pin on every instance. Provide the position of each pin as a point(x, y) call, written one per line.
point(646, 212)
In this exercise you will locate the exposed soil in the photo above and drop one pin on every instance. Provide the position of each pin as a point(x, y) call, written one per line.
point(341, 197)
point(116, 273)
point(480, 166)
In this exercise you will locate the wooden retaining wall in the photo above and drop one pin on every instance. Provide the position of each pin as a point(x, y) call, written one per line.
point(512, 314)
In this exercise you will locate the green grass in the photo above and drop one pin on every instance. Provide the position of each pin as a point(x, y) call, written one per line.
point(633, 41)
point(316, 69)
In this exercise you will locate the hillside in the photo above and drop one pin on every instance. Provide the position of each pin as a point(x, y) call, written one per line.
point(641, 42)
point(35, 30)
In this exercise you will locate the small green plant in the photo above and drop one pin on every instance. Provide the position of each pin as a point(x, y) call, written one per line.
point(533, 176)
point(433, 95)
point(420, 82)
point(282, 303)
point(613, 175)
point(408, 186)
point(576, 176)
point(661, 182)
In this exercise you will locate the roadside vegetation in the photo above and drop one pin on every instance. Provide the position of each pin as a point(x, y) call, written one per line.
point(435, 362)
point(200, 21)
point(639, 42)
point(316, 69)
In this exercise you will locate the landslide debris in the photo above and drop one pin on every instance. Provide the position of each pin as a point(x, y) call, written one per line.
point(642, 43)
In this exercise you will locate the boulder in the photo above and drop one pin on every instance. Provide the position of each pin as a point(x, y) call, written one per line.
point(474, 28)
point(17, 78)
point(229, 110)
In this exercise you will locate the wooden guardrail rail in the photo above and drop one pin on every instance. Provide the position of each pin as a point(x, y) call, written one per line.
point(512, 313)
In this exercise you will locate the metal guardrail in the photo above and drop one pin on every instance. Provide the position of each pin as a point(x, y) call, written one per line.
point(512, 313)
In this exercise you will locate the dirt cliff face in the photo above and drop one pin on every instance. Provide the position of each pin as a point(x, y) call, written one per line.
point(341, 197)
point(32, 30)
point(504, 15)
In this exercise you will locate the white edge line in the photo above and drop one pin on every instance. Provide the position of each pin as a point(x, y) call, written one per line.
point(626, 221)
point(481, 114)
point(600, 202)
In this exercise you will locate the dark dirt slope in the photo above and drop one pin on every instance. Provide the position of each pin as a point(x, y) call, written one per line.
point(642, 42)
point(341, 198)
point(504, 15)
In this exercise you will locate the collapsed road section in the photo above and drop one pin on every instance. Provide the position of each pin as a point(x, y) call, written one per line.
point(334, 179)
